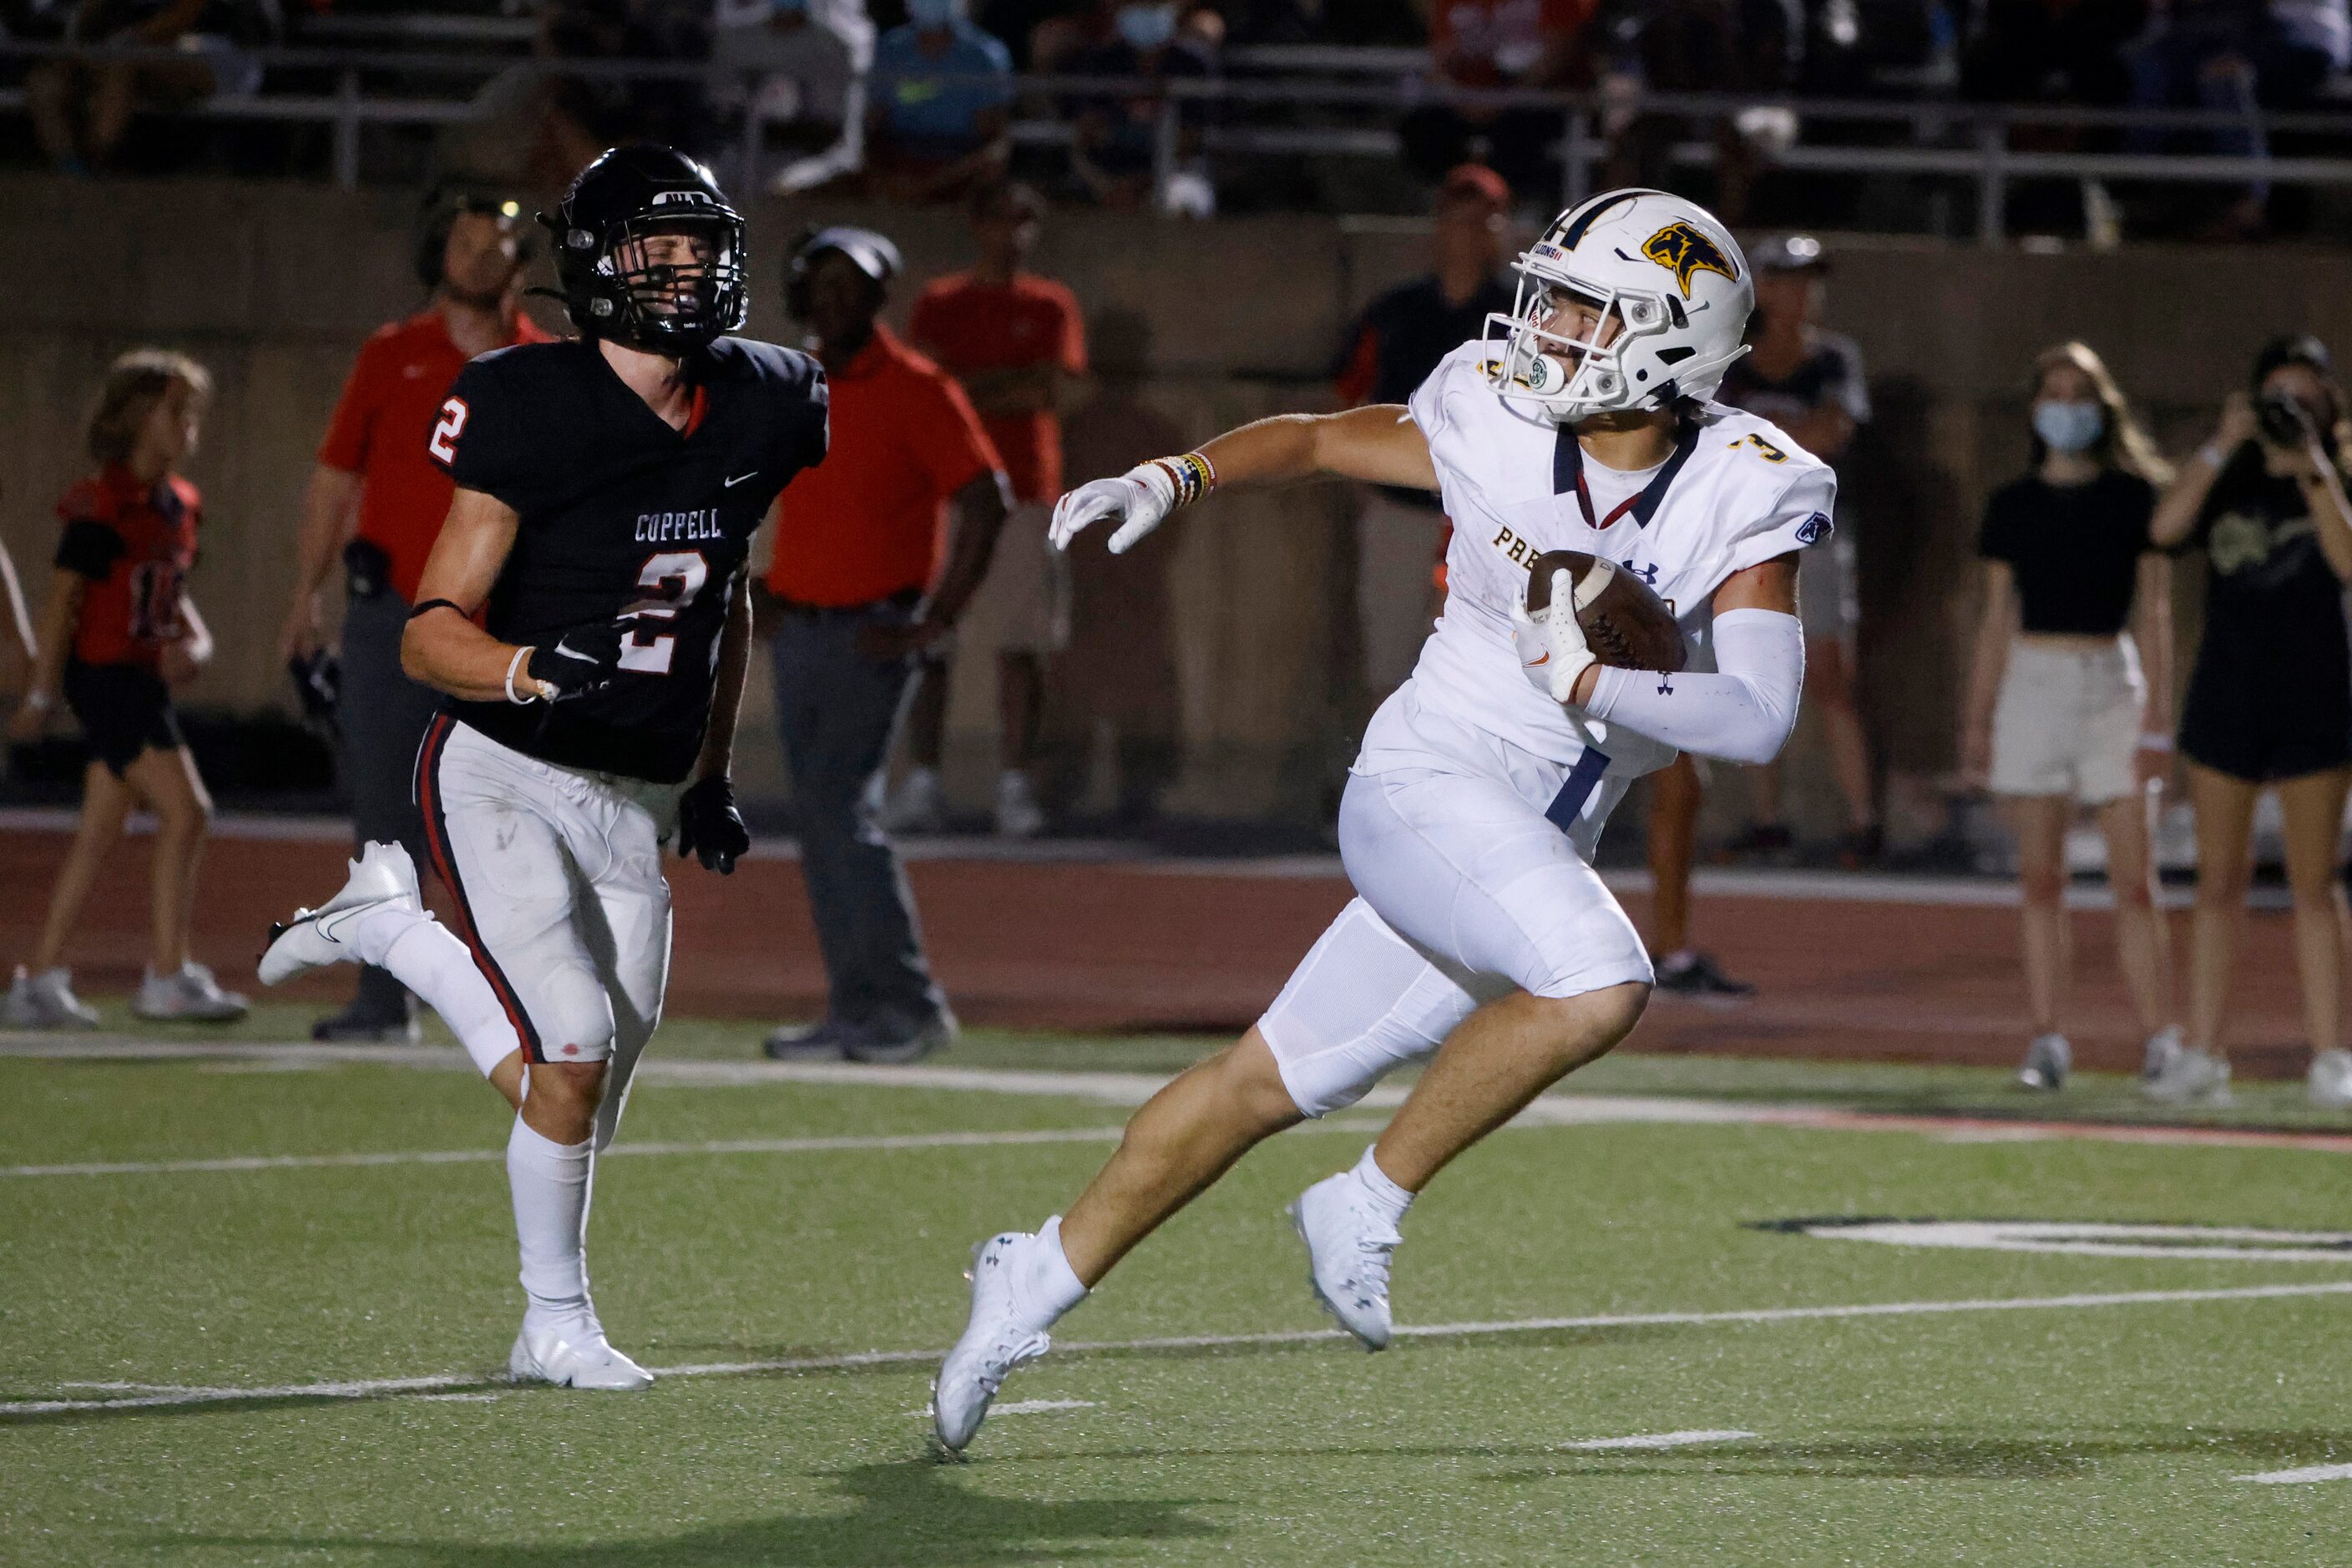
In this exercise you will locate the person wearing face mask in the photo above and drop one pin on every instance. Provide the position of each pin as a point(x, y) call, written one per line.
point(2060, 713)
point(1113, 150)
point(939, 105)
point(2270, 701)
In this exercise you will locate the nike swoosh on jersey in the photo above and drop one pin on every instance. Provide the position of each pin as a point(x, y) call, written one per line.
point(741, 478)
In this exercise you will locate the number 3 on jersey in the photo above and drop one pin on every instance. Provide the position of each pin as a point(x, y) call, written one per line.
point(444, 444)
point(669, 582)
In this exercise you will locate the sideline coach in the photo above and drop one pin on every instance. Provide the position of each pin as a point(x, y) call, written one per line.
point(472, 257)
point(857, 590)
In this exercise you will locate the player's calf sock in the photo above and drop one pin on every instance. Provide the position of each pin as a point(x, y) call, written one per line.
point(550, 1182)
point(425, 957)
point(1043, 1285)
point(1384, 1195)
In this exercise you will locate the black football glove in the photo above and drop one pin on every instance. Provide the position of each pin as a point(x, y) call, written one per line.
point(584, 659)
point(710, 828)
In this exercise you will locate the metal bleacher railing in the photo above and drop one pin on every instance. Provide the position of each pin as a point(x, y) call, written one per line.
point(1267, 103)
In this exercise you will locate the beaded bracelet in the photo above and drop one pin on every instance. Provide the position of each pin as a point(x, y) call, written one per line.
point(1193, 475)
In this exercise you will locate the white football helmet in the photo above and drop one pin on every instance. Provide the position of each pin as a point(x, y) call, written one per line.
point(1669, 277)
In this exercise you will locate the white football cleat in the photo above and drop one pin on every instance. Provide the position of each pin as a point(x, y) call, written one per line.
point(383, 874)
point(995, 1340)
point(1349, 1247)
point(573, 1355)
point(46, 1001)
point(189, 991)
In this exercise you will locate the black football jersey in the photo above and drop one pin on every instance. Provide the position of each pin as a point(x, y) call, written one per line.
point(622, 515)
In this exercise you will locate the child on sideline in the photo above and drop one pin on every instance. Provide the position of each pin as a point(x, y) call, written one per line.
point(117, 632)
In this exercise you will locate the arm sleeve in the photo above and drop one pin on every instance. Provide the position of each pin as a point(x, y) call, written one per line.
point(952, 448)
point(1799, 519)
point(490, 451)
point(88, 548)
point(1743, 713)
point(352, 430)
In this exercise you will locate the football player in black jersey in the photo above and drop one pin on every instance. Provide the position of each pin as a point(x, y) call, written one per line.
point(584, 611)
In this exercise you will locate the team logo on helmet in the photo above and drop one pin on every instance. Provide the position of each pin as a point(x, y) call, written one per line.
point(1684, 250)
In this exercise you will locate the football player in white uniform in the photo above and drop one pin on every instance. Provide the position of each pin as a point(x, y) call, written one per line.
point(1480, 931)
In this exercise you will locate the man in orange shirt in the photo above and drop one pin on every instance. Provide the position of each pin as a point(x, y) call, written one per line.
point(865, 577)
point(1012, 338)
point(376, 454)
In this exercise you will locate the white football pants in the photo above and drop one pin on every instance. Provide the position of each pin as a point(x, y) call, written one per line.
point(1468, 888)
point(561, 898)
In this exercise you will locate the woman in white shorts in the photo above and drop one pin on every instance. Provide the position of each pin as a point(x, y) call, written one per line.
point(2061, 711)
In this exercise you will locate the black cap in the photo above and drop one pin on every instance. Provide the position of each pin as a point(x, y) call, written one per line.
point(873, 254)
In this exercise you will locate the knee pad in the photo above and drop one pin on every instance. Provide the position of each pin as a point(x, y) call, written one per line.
point(572, 1015)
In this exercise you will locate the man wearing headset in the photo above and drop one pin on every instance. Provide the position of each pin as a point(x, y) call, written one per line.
point(376, 499)
point(867, 575)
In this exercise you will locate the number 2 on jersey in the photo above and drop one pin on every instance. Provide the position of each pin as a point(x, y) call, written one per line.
point(669, 582)
point(444, 444)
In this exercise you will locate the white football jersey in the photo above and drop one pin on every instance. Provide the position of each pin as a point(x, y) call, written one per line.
point(1739, 493)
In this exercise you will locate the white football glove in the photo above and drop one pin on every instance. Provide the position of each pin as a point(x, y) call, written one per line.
point(1552, 650)
point(1140, 499)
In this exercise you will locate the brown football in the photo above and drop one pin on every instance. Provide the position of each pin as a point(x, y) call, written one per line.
point(1628, 625)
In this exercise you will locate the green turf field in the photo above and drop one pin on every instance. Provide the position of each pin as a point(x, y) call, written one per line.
point(160, 1331)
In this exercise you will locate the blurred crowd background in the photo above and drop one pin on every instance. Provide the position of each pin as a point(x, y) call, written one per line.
point(1254, 207)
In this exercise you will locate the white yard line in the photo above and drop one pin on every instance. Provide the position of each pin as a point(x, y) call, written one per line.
point(375, 1388)
point(1655, 1440)
point(2303, 1477)
point(1112, 1088)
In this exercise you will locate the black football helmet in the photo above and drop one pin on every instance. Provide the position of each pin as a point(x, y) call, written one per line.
point(606, 284)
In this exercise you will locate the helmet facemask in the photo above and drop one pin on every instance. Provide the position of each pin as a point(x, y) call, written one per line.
point(1568, 376)
point(669, 283)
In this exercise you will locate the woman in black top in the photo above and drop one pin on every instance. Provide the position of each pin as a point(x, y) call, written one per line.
point(2060, 713)
point(2270, 703)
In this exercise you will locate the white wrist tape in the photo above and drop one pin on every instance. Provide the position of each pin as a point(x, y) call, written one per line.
point(512, 665)
point(1743, 713)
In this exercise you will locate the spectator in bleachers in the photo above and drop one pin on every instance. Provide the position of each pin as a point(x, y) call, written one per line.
point(1115, 141)
point(1392, 349)
point(1498, 44)
point(1706, 45)
point(938, 106)
point(1808, 380)
point(2237, 56)
point(569, 120)
point(2270, 702)
point(82, 107)
point(2061, 711)
point(809, 56)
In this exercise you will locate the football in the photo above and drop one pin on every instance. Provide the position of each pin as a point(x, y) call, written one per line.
point(1625, 623)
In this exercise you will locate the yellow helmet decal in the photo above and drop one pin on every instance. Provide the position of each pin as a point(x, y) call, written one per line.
point(1684, 250)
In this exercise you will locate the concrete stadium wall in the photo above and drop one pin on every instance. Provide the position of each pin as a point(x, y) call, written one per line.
point(274, 286)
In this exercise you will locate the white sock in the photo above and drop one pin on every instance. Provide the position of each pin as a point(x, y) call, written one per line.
point(1044, 1287)
point(551, 1184)
point(424, 956)
point(1391, 1199)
